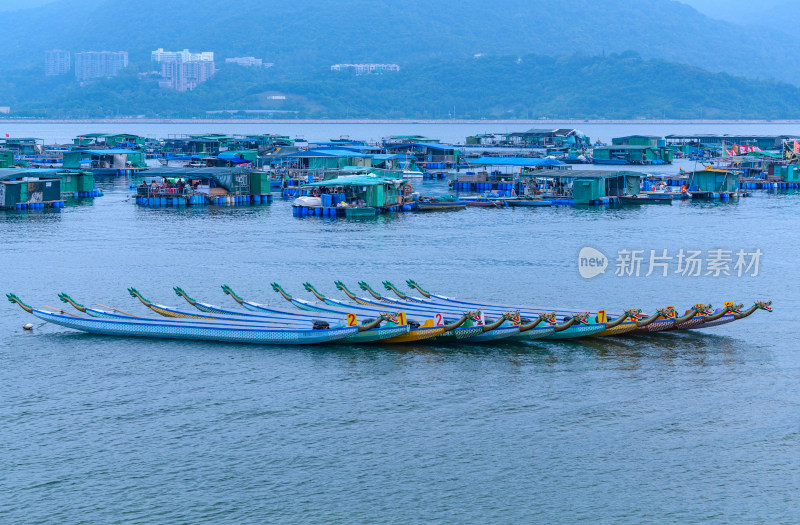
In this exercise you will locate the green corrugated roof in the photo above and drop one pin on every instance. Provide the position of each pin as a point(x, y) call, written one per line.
point(355, 180)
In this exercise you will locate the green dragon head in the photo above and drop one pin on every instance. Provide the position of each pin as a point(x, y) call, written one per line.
point(548, 317)
point(67, 299)
point(277, 288)
point(229, 291)
point(763, 305)
point(135, 294)
point(634, 313)
point(180, 293)
point(413, 285)
point(14, 299)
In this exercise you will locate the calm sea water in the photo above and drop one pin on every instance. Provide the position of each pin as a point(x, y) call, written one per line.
point(678, 428)
point(455, 133)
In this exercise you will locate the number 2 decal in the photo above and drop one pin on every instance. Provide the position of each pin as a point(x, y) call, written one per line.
point(352, 320)
point(438, 320)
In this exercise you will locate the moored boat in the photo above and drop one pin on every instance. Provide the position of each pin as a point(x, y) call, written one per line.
point(645, 199)
point(170, 329)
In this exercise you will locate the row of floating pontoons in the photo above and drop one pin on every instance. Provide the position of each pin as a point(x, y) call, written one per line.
point(377, 319)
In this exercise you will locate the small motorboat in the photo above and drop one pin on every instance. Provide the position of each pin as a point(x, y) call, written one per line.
point(646, 199)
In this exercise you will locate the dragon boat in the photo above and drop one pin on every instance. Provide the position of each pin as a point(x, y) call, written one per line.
point(698, 317)
point(471, 331)
point(492, 331)
point(172, 329)
point(623, 323)
point(368, 331)
point(563, 332)
point(417, 331)
point(528, 311)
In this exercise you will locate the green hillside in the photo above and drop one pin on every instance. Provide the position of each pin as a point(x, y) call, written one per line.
point(321, 32)
point(531, 86)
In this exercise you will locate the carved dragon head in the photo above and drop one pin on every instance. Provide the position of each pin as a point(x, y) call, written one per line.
point(581, 318)
point(14, 299)
point(548, 317)
point(277, 288)
point(181, 293)
point(763, 305)
point(667, 313)
point(390, 317)
point(413, 284)
point(67, 299)
point(135, 294)
point(634, 314)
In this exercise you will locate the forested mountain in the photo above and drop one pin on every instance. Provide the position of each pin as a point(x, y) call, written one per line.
point(471, 58)
point(621, 86)
point(323, 32)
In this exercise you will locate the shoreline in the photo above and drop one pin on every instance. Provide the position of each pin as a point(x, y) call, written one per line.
point(393, 121)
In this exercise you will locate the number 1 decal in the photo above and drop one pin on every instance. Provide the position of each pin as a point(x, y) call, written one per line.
point(401, 318)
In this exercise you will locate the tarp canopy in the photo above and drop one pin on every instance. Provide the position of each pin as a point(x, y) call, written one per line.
point(357, 180)
point(13, 174)
point(764, 154)
point(332, 152)
point(516, 161)
point(428, 145)
point(223, 177)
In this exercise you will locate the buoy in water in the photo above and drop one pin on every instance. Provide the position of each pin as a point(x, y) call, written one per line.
point(28, 326)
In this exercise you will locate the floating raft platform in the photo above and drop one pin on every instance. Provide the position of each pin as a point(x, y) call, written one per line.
point(200, 199)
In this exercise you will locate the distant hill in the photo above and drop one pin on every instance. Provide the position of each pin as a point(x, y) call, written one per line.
point(765, 15)
point(623, 86)
point(317, 33)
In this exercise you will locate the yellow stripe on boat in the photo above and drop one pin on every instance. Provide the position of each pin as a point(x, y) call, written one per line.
point(419, 334)
point(622, 328)
point(168, 313)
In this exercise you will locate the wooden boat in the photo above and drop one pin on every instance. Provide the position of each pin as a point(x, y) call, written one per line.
point(483, 203)
point(564, 331)
point(637, 199)
point(491, 332)
point(437, 303)
point(441, 206)
point(417, 332)
point(697, 317)
point(170, 329)
point(500, 332)
point(674, 195)
point(440, 301)
point(528, 203)
point(369, 331)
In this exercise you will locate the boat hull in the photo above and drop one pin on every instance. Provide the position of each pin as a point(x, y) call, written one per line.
point(169, 330)
point(659, 325)
point(534, 333)
point(572, 332)
point(416, 334)
point(725, 319)
point(428, 206)
point(504, 332)
point(641, 201)
point(620, 329)
point(528, 203)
